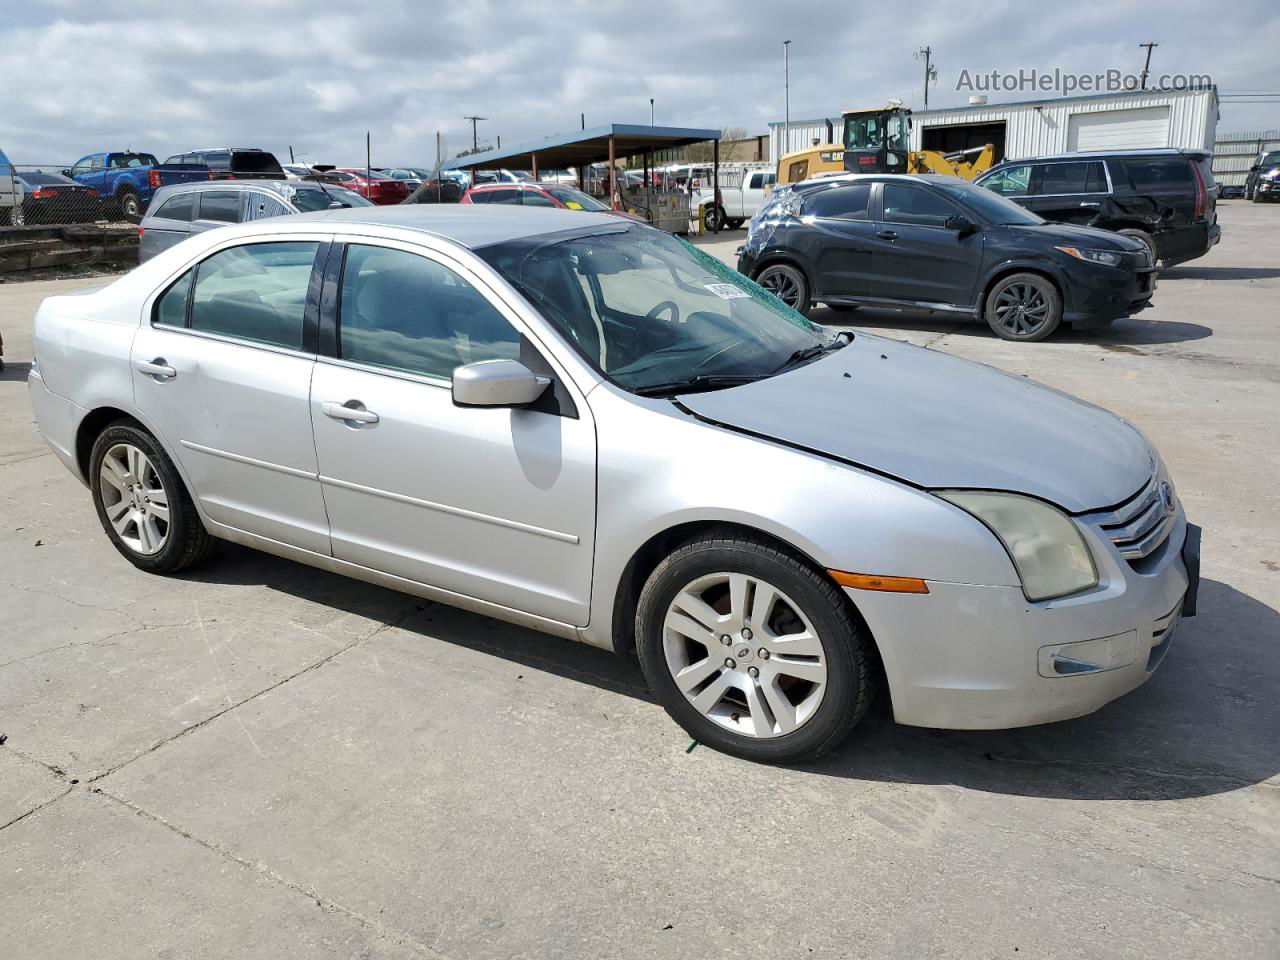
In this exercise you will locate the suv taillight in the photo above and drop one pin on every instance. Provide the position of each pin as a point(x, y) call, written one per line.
point(153, 178)
point(1202, 193)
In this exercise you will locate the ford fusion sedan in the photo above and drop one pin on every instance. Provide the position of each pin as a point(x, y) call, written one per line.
point(588, 427)
point(942, 245)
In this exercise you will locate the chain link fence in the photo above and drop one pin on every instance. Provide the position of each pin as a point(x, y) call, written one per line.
point(52, 221)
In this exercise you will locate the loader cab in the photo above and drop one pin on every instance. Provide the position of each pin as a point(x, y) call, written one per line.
point(876, 141)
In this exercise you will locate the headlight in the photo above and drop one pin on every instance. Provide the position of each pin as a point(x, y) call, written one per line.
point(1047, 549)
point(1271, 174)
point(1093, 256)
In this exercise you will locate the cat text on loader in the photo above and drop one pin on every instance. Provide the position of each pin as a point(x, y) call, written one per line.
point(876, 141)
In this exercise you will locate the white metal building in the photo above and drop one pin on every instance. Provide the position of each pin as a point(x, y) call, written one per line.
point(1034, 128)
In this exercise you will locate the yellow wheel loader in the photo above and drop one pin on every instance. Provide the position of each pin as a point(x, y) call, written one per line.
point(876, 141)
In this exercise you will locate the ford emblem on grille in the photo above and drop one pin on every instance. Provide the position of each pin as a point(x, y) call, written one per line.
point(1166, 496)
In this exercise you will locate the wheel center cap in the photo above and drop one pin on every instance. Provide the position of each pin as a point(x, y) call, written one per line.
point(743, 653)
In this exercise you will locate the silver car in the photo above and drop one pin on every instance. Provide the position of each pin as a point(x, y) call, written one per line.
point(589, 427)
point(178, 211)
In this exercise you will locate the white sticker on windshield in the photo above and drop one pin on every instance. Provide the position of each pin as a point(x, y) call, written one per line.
point(727, 291)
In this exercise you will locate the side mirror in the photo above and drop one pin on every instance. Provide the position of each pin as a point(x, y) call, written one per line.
point(496, 383)
point(1255, 168)
point(67, 173)
point(960, 225)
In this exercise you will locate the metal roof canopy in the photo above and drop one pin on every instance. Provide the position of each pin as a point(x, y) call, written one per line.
point(584, 147)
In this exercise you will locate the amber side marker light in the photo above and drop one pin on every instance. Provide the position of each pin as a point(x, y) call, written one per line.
point(867, 581)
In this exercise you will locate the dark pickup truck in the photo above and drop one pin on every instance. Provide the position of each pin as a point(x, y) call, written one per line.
point(127, 181)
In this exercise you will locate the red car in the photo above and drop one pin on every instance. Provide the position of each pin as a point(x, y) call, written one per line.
point(377, 189)
point(541, 195)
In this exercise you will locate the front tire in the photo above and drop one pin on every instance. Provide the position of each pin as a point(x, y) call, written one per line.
point(17, 216)
point(793, 678)
point(787, 284)
point(142, 503)
point(1024, 306)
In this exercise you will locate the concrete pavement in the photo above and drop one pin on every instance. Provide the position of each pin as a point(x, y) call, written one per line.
point(257, 759)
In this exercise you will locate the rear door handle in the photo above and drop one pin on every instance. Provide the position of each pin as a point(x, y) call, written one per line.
point(343, 411)
point(1089, 204)
point(157, 368)
point(887, 234)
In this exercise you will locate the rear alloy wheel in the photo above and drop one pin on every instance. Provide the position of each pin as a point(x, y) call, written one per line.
point(1024, 306)
point(751, 651)
point(141, 501)
point(17, 216)
point(787, 284)
point(130, 206)
point(714, 217)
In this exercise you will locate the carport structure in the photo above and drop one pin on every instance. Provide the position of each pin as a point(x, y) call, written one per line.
point(580, 149)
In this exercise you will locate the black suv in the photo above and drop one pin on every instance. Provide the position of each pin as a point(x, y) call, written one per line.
point(235, 163)
point(1263, 182)
point(943, 245)
point(1165, 198)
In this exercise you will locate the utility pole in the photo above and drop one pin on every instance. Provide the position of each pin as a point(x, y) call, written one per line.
point(930, 71)
point(651, 111)
point(786, 98)
point(475, 143)
point(1146, 67)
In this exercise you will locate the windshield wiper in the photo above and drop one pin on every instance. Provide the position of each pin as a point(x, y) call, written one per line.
point(844, 338)
point(700, 383)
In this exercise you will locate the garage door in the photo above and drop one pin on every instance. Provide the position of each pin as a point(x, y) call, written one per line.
point(1119, 129)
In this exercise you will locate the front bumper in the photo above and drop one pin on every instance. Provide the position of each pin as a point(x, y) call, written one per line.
point(984, 657)
point(1101, 294)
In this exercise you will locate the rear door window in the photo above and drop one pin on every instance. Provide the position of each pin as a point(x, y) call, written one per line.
point(259, 206)
point(179, 207)
point(844, 203)
point(217, 160)
point(1080, 176)
point(221, 205)
point(504, 195)
point(536, 198)
point(256, 292)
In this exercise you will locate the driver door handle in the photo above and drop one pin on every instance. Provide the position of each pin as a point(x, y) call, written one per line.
point(339, 411)
point(887, 234)
point(157, 368)
point(1091, 205)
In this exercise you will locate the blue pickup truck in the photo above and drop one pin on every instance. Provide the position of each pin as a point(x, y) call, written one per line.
point(127, 181)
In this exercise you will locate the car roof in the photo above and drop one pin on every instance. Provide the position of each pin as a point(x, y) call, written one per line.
point(468, 226)
point(844, 178)
point(1103, 154)
point(277, 186)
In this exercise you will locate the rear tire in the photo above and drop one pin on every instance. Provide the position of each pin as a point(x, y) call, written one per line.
point(755, 697)
point(142, 503)
point(787, 284)
point(130, 206)
point(1145, 238)
point(17, 216)
point(1023, 306)
point(714, 218)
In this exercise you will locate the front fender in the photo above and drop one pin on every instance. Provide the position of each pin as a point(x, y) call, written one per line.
point(660, 468)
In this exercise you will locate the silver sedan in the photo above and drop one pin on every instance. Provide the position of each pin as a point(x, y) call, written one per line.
point(591, 428)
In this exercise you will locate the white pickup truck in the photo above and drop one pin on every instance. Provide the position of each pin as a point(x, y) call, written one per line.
point(741, 195)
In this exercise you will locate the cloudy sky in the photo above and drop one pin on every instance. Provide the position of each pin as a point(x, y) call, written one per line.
point(84, 75)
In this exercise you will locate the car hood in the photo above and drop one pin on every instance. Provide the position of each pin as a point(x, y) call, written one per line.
point(936, 421)
point(1071, 235)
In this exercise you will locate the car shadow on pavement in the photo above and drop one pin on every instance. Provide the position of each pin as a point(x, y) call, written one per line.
point(1130, 330)
point(1207, 722)
point(1219, 273)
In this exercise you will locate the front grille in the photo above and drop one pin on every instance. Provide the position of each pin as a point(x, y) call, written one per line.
point(1141, 524)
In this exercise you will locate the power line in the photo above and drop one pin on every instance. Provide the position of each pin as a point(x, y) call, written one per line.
point(475, 144)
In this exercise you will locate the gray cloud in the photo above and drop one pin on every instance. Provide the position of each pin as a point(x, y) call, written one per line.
point(83, 75)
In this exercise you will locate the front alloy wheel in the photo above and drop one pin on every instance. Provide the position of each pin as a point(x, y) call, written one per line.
point(752, 650)
point(1024, 306)
point(756, 669)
